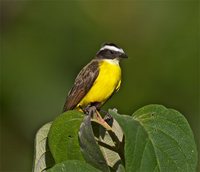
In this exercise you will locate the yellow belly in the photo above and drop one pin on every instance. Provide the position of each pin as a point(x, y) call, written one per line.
point(107, 82)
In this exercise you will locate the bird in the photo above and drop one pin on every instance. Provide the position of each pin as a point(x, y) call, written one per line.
point(97, 81)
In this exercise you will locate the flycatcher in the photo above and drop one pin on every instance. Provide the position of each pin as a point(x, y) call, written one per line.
point(98, 80)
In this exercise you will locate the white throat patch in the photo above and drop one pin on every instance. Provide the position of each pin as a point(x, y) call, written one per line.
point(113, 48)
point(112, 61)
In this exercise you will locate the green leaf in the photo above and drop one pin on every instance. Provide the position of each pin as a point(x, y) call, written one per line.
point(63, 136)
point(73, 165)
point(90, 149)
point(42, 155)
point(120, 168)
point(157, 139)
point(111, 144)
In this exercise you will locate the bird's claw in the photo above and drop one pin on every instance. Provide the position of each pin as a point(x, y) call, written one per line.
point(90, 110)
point(96, 117)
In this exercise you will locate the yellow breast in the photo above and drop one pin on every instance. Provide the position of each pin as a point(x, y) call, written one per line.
point(107, 82)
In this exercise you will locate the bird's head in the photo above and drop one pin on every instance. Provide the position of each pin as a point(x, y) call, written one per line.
point(111, 51)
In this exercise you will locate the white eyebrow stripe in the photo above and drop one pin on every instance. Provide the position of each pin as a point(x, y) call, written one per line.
point(112, 48)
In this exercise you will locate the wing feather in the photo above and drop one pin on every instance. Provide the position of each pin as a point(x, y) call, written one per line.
point(82, 85)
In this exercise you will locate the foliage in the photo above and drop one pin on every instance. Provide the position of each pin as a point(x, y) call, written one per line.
point(70, 165)
point(154, 138)
point(44, 44)
point(43, 158)
point(63, 137)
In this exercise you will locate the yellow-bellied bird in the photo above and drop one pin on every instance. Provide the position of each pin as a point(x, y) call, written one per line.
point(98, 80)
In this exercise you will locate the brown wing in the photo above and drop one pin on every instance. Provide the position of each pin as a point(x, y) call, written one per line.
point(82, 84)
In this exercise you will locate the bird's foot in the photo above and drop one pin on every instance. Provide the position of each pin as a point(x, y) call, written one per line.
point(90, 110)
point(96, 117)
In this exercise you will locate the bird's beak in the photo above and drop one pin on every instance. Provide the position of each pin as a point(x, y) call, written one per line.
point(123, 56)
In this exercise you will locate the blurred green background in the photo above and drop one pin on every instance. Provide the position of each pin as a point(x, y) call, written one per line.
point(44, 44)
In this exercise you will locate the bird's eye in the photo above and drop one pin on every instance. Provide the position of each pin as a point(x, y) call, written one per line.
point(112, 52)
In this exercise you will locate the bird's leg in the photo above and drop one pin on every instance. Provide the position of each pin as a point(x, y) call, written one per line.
point(96, 117)
point(90, 110)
